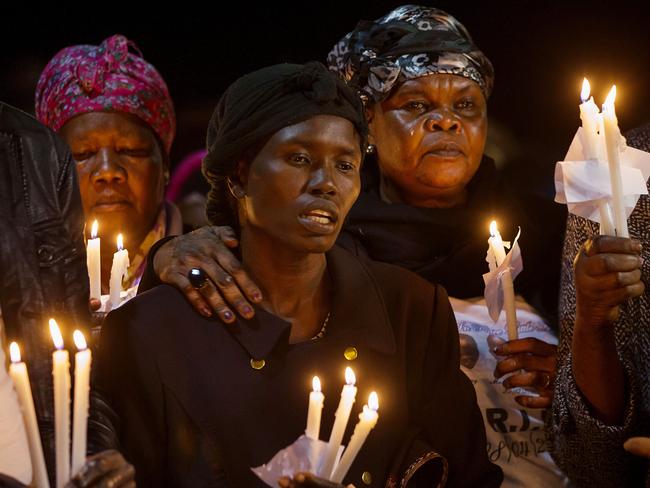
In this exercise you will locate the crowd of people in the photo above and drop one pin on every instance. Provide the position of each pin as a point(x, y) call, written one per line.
point(346, 223)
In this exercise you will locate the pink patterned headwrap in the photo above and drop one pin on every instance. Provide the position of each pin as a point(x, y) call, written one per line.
point(105, 78)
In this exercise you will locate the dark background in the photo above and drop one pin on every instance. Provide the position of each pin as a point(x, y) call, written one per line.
point(540, 50)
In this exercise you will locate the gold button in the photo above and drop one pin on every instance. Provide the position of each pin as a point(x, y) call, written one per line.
point(351, 353)
point(257, 363)
point(366, 477)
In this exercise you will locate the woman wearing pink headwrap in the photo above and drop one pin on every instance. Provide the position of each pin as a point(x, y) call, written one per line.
point(114, 110)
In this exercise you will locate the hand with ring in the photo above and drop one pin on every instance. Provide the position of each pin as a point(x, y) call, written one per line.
point(227, 288)
point(534, 364)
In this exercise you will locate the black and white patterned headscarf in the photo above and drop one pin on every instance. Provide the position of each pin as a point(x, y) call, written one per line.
point(409, 42)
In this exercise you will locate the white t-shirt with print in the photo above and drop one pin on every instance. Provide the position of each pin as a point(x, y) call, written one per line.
point(516, 439)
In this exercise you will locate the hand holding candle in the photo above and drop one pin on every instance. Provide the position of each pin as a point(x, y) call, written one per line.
point(367, 421)
point(118, 272)
point(20, 378)
point(348, 396)
point(93, 260)
point(61, 374)
point(83, 360)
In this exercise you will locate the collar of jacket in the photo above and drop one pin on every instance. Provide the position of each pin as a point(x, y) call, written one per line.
point(358, 312)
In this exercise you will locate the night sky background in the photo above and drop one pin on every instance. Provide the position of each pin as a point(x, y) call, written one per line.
point(540, 50)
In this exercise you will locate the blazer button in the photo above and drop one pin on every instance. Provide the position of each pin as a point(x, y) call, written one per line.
point(351, 353)
point(257, 363)
point(44, 254)
point(366, 477)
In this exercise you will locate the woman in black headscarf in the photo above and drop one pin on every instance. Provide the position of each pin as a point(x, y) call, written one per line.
point(428, 196)
point(197, 404)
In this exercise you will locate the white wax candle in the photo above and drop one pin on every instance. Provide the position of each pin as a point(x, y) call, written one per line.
point(83, 359)
point(61, 374)
point(589, 115)
point(20, 378)
point(118, 272)
point(340, 423)
point(93, 260)
point(367, 421)
point(499, 251)
point(316, 399)
point(612, 141)
point(496, 243)
point(592, 123)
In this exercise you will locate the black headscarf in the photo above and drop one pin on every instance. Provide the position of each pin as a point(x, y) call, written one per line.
point(409, 42)
point(258, 105)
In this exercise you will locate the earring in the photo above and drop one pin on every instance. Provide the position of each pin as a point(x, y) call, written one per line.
point(236, 190)
point(370, 149)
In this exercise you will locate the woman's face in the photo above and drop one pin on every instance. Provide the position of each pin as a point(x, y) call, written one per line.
point(429, 136)
point(301, 185)
point(121, 172)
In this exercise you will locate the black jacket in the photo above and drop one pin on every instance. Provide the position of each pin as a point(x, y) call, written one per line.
point(42, 253)
point(190, 410)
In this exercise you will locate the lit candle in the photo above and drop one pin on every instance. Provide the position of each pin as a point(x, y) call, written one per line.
point(93, 260)
point(592, 122)
point(612, 141)
point(61, 374)
point(498, 251)
point(20, 378)
point(342, 415)
point(367, 421)
point(589, 115)
point(118, 272)
point(316, 399)
point(83, 358)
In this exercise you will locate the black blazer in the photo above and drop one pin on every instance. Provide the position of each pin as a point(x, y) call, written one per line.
point(190, 410)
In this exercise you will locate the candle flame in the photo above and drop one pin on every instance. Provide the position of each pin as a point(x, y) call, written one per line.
point(14, 352)
point(79, 340)
point(315, 383)
point(120, 242)
point(93, 229)
point(609, 101)
point(57, 338)
point(586, 90)
point(493, 228)
point(350, 379)
point(373, 401)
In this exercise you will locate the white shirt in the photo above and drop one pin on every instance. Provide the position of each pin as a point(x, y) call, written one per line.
point(14, 450)
point(516, 438)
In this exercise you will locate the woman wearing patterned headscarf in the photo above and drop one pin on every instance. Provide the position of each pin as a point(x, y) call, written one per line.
point(428, 196)
point(114, 110)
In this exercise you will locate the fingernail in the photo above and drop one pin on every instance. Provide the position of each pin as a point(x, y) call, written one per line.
point(206, 312)
point(228, 279)
point(497, 349)
point(257, 296)
point(283, 482)
point(300, 477)
point(247, 310)
point(641, 261)
point(228, 316)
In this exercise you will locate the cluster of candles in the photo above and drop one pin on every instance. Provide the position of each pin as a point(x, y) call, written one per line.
point(61, 377)
point(326, 466)
point(602, 139)
point(118, 269)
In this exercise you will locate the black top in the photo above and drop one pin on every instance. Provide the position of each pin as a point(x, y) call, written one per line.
point(193, 412)
point(448, 246)
point(42, 252)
